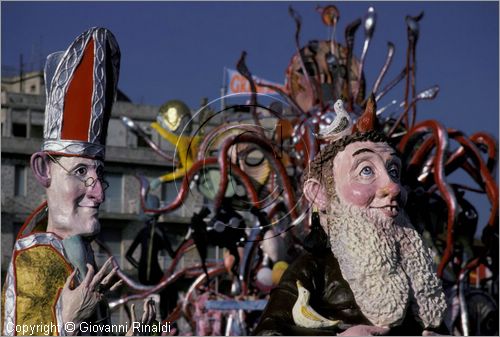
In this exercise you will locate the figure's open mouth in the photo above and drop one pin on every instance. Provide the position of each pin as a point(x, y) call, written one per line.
point(90, 207)
point(89, 204)
point(389, 210)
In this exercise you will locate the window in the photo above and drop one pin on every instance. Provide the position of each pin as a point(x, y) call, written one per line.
point(36, 131)
point(19, 130)
point(114, 194)
point(33, 88)
point(20, 180)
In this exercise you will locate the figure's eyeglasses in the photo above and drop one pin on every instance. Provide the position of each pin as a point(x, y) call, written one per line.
point(88, 182)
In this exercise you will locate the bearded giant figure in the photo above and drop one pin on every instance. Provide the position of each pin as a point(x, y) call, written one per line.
point(373, 275)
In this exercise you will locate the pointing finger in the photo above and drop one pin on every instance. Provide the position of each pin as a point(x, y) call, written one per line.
point(116, 285)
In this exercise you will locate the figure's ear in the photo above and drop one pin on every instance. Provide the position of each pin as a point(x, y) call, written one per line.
point(316, 194)
point(41, 168)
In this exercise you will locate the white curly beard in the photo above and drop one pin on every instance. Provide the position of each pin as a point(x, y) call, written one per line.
point(386, 265)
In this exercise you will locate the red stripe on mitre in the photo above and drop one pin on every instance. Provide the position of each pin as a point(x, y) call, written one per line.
point(78, 100)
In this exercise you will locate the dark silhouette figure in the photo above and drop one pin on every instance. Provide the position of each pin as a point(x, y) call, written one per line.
point(226, 229)
point(153, 239)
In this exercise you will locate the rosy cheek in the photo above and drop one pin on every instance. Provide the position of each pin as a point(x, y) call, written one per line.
point(357, 194)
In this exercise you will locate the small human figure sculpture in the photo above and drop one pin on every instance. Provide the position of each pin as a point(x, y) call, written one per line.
point(173, 124)
point(376, 277)
point(52, 278)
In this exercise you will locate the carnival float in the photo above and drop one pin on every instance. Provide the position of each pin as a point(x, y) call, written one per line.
point(249, 171)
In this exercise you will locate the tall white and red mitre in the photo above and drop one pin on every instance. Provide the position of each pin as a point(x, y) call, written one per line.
point(81, 86)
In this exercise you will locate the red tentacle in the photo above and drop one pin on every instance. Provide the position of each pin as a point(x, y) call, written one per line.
point(217, 132)
point(488, 181)
point(197, 166)
point(441, 139)
point(482, 138)
point(422, 152)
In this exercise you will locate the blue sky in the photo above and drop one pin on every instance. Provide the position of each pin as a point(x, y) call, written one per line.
point(173, 50)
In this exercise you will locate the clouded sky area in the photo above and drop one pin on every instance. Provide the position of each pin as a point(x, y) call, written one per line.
point(173, 50)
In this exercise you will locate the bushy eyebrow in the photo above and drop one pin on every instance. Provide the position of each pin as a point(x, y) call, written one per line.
point(394, 157)
point(361, 151)
point(394, 154)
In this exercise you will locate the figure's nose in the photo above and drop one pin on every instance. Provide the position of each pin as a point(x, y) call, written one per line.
point(95, 191)
point(390, 190)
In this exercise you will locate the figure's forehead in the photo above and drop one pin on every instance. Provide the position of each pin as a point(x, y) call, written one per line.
point(73, 161)
point(366, 148)
point(369, 146)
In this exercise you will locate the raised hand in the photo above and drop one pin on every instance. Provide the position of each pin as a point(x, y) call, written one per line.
point(79, 304)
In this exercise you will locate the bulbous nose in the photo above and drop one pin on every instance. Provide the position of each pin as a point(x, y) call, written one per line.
point(95, 192)
point(390, 190)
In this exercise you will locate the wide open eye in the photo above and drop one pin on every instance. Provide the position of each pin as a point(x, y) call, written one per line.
point(81, 171)
point(366, 171)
